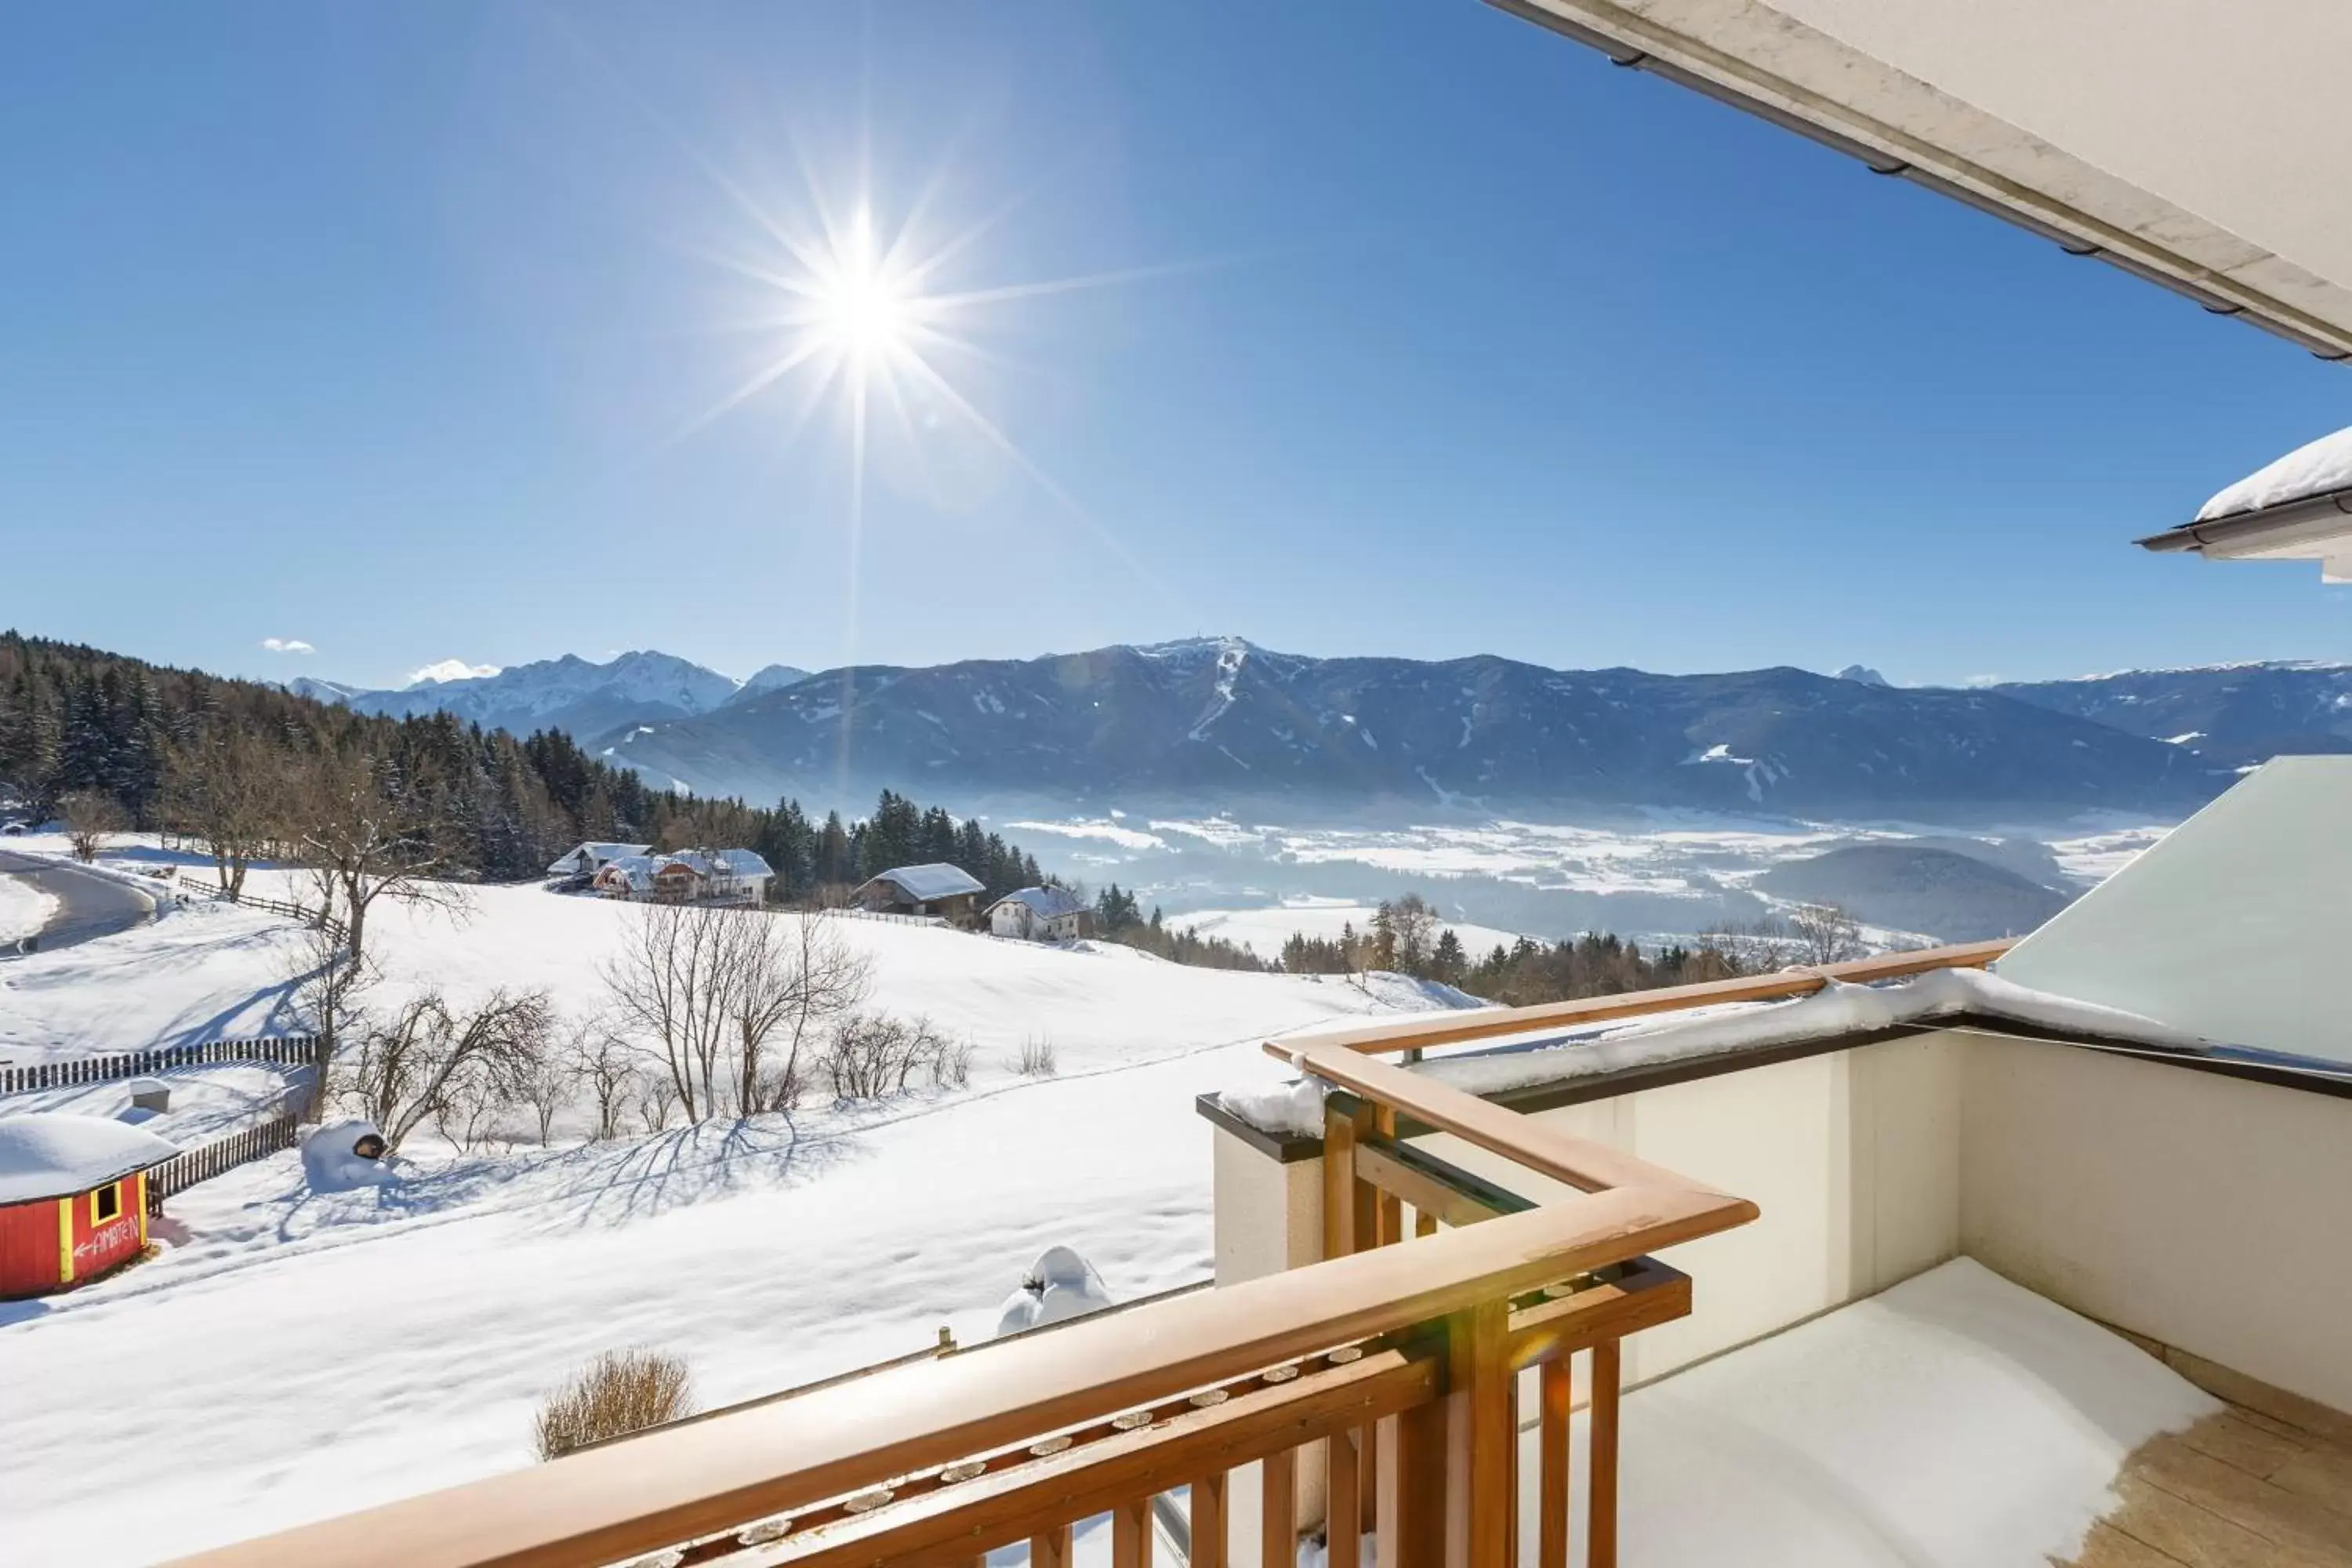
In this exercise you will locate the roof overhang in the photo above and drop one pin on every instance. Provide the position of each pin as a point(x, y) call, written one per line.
point(2186, 142)
point(2309, 527)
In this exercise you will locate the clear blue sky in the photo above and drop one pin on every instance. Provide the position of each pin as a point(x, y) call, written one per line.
point(376, 326)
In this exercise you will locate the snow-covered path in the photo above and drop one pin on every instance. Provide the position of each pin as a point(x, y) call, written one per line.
point(300, 1356)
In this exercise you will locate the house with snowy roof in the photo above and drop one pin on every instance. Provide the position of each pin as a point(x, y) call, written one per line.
point(687, 877)
point(935, 890)
point(1039, 914)
point(580, 864)
point(73, 1198)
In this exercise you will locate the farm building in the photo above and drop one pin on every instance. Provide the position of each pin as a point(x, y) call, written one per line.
point(689, 877)
point(1040, 914)
point(73, 1198)
point(582, 861)
point(947, 892)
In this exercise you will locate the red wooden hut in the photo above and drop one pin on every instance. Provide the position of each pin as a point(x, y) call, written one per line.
point(73, 1198)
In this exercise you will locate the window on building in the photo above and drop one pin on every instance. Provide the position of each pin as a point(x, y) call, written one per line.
point(106, 1202)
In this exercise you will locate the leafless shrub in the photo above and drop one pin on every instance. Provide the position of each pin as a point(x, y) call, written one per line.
point(605, 1063)
point(951, 1068)
point(618, 1392)
point(872, 1056)
point(657, 1099)
point(89, 817)
point(547, 1085)
point(1036, 1058)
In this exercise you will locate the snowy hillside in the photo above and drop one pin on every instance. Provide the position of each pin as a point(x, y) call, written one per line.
point(768, 1252)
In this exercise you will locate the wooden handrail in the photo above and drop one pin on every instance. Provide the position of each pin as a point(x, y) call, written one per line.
point(689, 1481)
point(1577, 1162)
point(1483, 1024)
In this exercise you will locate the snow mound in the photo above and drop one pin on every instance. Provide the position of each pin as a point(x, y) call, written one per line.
point(1293, 1109)
point(332, 1161)
point(53, 1154)
point(2313, 468)
point(1059, 1286)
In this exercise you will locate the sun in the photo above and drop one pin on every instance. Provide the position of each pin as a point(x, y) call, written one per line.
point(859, 301)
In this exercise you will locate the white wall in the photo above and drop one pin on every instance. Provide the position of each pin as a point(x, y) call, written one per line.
point(1853, 1156)
point(2209, 1212)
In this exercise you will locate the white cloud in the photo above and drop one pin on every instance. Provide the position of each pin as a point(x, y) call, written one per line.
point(450, 670)
point(286, 645)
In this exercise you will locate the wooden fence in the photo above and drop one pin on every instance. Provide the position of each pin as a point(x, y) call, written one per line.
point(206, 1160)
point(283, 1050)
point(291, 911)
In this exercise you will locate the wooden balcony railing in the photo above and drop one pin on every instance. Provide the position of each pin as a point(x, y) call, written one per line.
point(1385, 1378)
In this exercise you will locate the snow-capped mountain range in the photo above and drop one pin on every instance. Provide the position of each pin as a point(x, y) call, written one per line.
point(570, 693)
point(1223, 720)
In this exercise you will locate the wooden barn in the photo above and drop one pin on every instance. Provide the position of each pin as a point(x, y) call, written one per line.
point(937, 891)
point(73, 1199)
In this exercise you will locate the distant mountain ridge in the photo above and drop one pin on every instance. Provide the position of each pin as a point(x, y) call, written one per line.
point(587, 700)
point(2234, 715)
point(1222, 719)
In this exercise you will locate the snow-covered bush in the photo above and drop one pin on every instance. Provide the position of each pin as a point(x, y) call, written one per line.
point(1036, 1059)
point(618, 1392)
point(1059, 1286)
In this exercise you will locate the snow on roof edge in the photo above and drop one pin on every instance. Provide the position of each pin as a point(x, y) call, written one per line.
point(1836, 1010)
point(2314, 469)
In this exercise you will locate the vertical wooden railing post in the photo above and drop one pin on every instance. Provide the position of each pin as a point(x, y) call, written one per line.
point(1481, 1377)
point(1413, 1459)
point(1559, 1379)
point(1343, 1519)
point(1209, 1521)
point(1278, 1510)
point(1601, 1483)
point(1131, 1534)
point(1389, 1224)
point(1051, 1550)
point(1340, 1237)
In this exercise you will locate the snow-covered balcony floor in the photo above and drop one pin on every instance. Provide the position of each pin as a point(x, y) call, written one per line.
point(1958, 1419)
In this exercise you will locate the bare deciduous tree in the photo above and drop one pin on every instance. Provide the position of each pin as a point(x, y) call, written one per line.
point(1824, 933)
point(457, 1068)
point(712, 988)
point(330, 988)
point(369, 834)
point(228, 791)
point(605, 1061)
point(89, 815)
point(657, 1098)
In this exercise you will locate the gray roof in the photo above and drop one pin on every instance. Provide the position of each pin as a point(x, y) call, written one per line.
point(723, 862)
point(925, 883)
point(594, 850)
point(1045, 902)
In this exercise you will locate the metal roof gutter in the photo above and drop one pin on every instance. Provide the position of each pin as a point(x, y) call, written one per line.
point(2307, 519)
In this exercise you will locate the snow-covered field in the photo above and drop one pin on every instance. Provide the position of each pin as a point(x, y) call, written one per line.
point(301, 1354)
point(1658, 875)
